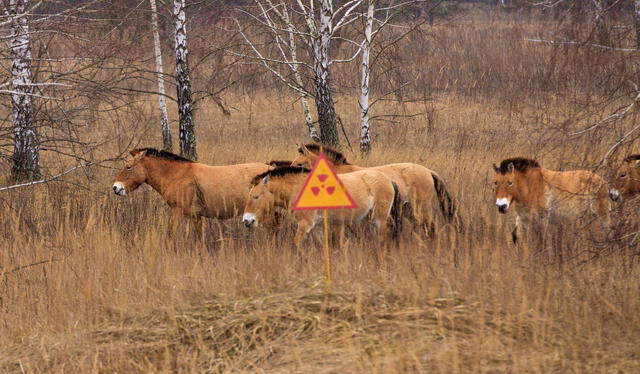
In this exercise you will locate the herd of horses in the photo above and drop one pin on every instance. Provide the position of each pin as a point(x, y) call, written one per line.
point(384, 195)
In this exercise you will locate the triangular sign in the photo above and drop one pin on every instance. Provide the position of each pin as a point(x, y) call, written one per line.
point(323, 189)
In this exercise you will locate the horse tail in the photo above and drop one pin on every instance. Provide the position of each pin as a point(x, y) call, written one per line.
point(395, 213)
point(447, 205)
point(199, 201)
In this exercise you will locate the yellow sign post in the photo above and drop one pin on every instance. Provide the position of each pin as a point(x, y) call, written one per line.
point(323, 190)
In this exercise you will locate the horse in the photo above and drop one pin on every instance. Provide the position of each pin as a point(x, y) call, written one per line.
point(373, 193)
point(191, 189)
point(537, 193)
point(417, 185)
point(626, 183)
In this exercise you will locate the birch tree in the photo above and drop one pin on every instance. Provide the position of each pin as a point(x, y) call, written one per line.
point(162, 104)
point(26, 153)
point(316, 24)
point(183, 83)
point(288, 57)
point(372, 26)
point(365, 133)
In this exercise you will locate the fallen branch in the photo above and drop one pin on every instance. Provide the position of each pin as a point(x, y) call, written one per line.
point(580, 43)
point(4, 274)
point(50, 179)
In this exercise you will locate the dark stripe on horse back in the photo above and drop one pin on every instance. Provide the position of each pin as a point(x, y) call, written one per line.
point(163, 154)
point(279, 172)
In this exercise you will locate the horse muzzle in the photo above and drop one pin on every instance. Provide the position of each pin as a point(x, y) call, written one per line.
point(503, 205)
point(249, 220)
point(119, 189)
point(614, 194)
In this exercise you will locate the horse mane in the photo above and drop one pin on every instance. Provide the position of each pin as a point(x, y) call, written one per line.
point(279, 163)
point(632, 157)
point(520, 164)
point(162, 154)
point(279, 172)
point(332, 154)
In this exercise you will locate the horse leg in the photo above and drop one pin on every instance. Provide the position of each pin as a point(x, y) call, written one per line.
point(199, 224)
point(304, 228)
point(176, 220)
point(603, 215)
point(422, 216)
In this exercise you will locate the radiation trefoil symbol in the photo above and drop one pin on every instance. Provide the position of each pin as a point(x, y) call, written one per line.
point(323, 189)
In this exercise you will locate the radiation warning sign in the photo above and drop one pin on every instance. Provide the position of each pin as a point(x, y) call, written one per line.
point(323, 189)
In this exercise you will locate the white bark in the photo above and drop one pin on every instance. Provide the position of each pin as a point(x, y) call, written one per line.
point(365, 135)
point(324, 99)
point(321, 21)
point(304, 97)
point(162, 104)
point(26, 154)
point(183, 84)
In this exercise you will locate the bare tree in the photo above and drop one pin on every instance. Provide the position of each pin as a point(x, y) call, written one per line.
point(386, 12)
point(316, 24)
point(164, 117)
point(26, 153)
point(365, 134)
point(288, 55)
point(183, 83)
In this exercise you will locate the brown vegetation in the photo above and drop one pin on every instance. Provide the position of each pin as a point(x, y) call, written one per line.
point(90, 282)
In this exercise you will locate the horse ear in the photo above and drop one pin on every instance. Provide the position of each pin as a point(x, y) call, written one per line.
point(496, 168)
point(302, 149)
point(133, 151)
point(265, 180)
point(510, 167)
point(141, 154)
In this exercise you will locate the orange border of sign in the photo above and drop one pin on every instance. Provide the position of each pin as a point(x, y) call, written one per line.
point(321, 156)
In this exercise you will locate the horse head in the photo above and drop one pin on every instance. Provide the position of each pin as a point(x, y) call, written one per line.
point(305, 157)
point(504, 187)
point(260, 206)
point(132, 175)
point(514, 180)
point(627, 179)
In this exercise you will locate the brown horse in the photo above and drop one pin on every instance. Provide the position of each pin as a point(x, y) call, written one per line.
point(373, 193)
point(626, 183)
point(537, 193)
point(191, 189)
point(417, 185)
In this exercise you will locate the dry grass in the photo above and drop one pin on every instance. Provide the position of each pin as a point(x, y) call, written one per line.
point(114, 293)
point(90, 282)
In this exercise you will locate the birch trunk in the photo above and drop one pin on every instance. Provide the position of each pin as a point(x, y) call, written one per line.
point(365, 135)
point(183, 84)
point(26, 153)
point(167, 144)
point(324, 100)
point(304, 99)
